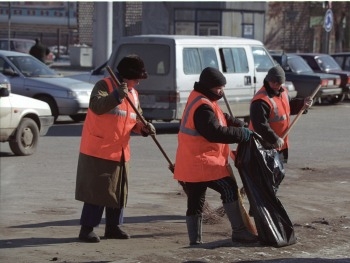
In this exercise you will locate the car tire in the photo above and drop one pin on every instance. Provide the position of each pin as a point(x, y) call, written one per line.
point(78, 117)
point(52, 104)
point(26, 138)
point(337, 99)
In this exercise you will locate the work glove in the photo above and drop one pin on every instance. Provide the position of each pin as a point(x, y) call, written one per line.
point(308, 102)
point(279, 143)
point(122, 91)
point(246, 134)
point(148, 129)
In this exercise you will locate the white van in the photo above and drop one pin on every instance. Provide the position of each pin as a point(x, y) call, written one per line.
point(174, 63)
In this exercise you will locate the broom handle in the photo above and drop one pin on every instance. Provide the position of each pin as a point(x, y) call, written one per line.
point(300, 113)
point(114, 78)
point(228, 105)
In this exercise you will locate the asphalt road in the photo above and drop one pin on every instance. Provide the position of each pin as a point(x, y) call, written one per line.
point(37, 192)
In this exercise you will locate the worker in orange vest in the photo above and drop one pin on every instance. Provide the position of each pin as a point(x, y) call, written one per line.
point(271, 108)
point(202, 155)
point(103, 165)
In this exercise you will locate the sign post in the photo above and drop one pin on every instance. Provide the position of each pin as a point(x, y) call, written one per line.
point(328, 25)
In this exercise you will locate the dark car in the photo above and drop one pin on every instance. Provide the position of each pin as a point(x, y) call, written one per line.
point(325, 63)
point(343, 59)
point(305, 80)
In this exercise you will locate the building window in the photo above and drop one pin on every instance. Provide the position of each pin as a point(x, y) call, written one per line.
point(208, 29)
point(248, 31)
point(197, 22)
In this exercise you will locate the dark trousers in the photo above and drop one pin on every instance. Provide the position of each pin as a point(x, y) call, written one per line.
point(227, 187)
point(91, 215)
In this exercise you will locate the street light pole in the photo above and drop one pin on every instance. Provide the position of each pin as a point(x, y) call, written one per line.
point(9, 27)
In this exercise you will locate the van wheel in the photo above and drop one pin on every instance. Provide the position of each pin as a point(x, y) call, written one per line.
point(52, 104)
point(26, 138)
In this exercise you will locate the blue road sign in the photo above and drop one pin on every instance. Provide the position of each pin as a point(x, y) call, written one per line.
point(328, 20)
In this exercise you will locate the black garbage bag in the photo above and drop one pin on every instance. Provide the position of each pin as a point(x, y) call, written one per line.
point(261, 172)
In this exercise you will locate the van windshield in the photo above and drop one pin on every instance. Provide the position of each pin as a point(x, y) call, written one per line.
point(156, 57)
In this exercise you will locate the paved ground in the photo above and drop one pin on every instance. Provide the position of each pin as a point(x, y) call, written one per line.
point(39, 218)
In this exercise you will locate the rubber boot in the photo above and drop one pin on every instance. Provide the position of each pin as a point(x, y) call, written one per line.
point(114, 217)
point(239, 231)
point(194, 229)
point(87, 234)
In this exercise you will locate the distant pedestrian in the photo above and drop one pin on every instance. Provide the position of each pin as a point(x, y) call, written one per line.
point(39, 50)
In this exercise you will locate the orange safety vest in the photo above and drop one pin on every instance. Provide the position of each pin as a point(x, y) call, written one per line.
point(198, 160)
point(107, 135)
point(279, 114)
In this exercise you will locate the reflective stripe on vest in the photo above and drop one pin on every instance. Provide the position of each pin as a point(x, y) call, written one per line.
point(276, 117)
point(119, 112)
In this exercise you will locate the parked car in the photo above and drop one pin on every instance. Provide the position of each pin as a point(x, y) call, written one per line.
point(325, 63)
point(22, 45)
point(343, 59)
point(306, 80)
point(291, 89)
point(22, 120)
point(32, 78)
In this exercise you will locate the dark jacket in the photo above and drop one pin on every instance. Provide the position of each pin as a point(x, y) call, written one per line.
point(260, 112)
point(39, 51)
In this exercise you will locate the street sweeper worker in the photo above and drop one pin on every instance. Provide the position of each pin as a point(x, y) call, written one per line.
point(103, 165)
point(202, 155)
point(271, 108)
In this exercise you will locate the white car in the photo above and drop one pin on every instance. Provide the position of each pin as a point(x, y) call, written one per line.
point(32, 78)
point(22, 120)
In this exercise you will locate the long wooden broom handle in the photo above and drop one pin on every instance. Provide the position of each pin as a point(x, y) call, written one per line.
point(228, 105)
point(114, 78)
point(300, 113)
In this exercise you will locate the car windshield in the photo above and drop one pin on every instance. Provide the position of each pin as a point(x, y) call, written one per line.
point(31, 67)
point(298, 65)
point(262, 60)
point(327, 63)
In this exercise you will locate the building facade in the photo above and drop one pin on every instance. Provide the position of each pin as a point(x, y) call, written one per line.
point(290, 26)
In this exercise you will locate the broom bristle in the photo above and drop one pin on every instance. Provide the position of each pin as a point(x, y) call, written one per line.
point(212, 216)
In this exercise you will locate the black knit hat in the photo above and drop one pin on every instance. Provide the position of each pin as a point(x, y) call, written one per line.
point(276, 74)
point(132, 67)
point(211, 78)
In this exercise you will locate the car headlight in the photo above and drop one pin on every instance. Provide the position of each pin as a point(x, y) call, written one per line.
point(71, 94)
point(79, 93)
point(5, 86)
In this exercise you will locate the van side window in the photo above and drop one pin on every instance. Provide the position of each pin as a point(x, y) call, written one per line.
point(234, 60)
point(262, 61)
point(197, 59)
